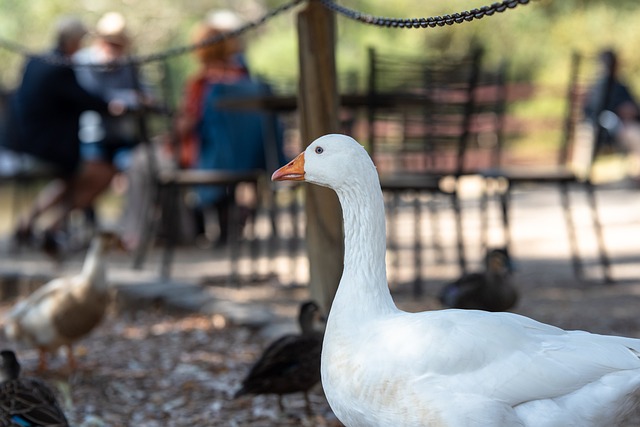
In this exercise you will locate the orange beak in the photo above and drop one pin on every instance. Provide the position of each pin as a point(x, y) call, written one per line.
point(293, 171)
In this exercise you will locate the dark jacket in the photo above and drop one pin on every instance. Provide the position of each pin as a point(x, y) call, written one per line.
point(45, 112)
point(619, 94)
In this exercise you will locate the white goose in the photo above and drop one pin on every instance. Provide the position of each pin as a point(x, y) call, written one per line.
point(458, 368)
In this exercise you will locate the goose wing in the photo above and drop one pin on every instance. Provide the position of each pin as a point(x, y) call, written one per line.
point(505, 356)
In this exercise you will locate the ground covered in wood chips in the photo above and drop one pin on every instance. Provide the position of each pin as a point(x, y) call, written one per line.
point(153, 367)
point(158, 369)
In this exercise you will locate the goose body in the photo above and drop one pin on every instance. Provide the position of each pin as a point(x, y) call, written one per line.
point(26, 402)
point(66, 308)
point(490, 290)
point(457, 368)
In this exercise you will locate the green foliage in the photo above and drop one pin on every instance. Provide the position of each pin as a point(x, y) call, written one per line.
point(536, 39)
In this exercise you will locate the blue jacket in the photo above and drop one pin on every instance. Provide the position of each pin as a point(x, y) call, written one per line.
point(237, 140)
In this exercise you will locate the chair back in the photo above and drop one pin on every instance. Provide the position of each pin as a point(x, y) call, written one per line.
point(432, 115)
point(239, 139)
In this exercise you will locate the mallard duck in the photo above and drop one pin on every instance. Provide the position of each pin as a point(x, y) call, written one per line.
point(291, 364)
point(382, 366)
point(490, 290)
point(26, 402)
point(65, 309)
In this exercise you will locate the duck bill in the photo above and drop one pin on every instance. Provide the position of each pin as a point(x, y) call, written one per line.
point(293, 171)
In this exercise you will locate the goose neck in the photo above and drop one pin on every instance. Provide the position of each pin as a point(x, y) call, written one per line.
point(364, 283)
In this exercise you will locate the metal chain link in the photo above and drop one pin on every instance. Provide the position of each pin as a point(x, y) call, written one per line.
point(431, 22)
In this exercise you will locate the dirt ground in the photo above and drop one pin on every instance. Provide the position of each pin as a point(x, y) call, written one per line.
point(153, 367)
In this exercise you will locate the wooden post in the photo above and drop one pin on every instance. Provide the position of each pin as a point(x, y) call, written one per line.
point(318, 103)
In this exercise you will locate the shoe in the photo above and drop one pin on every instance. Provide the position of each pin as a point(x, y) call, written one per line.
point(53, 244)
point(22, 237)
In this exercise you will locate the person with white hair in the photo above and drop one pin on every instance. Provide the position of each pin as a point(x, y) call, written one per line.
point(107, 141)
point(219, 63)
point(110, 144)
point(44, 116)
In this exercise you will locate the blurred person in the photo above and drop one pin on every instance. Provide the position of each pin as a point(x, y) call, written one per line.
point(44, 125)
point(221, 62)
point(226, 21)
point(200, 137)
point(620, 117)
point(216, 63)
point(108, 141)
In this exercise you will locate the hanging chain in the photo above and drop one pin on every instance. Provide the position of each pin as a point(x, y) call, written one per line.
point(431, 22)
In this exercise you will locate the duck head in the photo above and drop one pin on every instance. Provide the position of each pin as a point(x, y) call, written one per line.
point(498, 261)
point(310, 318)
point(9, 366)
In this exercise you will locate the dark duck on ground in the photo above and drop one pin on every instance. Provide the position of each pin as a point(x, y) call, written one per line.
point(490, 290)
point(26, 402)
point(291, 364)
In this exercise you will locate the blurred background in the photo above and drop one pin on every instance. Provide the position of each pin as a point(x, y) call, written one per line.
point(536, 38)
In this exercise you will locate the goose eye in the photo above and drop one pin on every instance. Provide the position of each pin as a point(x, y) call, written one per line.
point(319, 150)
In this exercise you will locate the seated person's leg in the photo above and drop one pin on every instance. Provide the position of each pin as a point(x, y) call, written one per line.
point(51, 195)
point(98, 169)
point(91, 182)
point(47, 198)
point(81, 191)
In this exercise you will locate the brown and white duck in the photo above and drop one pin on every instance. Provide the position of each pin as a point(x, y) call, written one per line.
point(490, 290)
point(65, 309)
point(291, 364)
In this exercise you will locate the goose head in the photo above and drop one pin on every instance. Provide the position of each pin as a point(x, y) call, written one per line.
point(334, 161)
point(339, 162)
